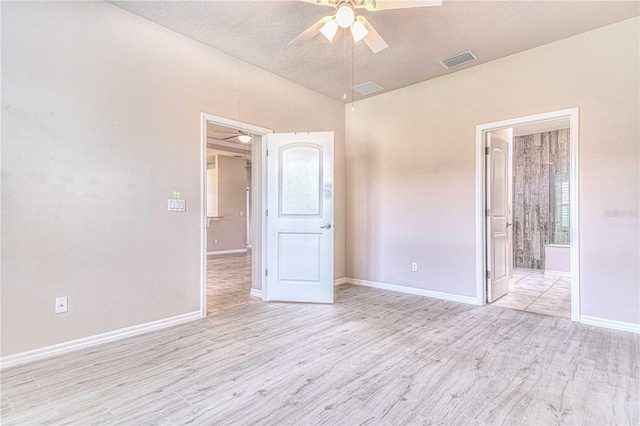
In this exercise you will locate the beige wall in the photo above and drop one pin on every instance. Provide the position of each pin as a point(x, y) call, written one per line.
point(411, 167)
point(100, 123)
point(231, 230)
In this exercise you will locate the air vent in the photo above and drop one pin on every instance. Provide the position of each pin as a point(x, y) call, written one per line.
point(367, 88)
point(458, 60)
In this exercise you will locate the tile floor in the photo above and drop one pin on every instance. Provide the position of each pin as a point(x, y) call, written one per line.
point(532, 291)
point(228, 281)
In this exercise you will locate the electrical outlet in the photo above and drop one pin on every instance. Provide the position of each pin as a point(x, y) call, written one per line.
point(414, 266)
point(61, 305)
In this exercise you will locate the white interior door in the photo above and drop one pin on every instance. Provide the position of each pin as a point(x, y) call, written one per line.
point(300, 217)
point(499, 249)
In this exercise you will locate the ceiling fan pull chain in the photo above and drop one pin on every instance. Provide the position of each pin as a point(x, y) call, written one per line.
point(344, 62)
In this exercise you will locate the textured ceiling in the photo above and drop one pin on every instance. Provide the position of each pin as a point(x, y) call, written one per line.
point(258, 32)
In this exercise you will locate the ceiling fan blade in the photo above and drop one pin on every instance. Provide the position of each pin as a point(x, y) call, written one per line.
point(310, 32)
point(375, 42)
point(376, 5)
point(230, 137)
point(321, 2)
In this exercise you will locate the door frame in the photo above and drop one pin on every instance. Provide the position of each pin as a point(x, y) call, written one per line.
point(481, 178)
point(260, 182)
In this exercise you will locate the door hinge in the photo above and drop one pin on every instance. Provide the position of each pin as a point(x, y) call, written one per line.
point(488, 275)
point(487, 150)
point(488, 212)
point(266, 272)
point(267, 212)
point(267, 153)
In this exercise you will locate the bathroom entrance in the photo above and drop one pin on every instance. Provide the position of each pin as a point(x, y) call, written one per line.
point(527, 225)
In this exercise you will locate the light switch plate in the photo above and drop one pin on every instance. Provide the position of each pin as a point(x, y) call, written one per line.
point(177, 205)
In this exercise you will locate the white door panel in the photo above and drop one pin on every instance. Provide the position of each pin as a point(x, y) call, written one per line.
point(499, 250)
point(300, 217)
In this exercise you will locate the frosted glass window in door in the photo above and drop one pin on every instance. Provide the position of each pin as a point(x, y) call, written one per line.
point(301, 181)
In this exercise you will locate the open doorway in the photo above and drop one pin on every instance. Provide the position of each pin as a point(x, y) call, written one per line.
point(231, 240)
point(291, 250)
point(529, 214)
point(228, 229)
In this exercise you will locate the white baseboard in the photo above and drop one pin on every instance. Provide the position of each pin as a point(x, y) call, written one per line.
point(213, 253)
point(559, 273)
point(339, 281)
point(257, 293)
point(412, 290)
point(616, 325)
point(98, 339)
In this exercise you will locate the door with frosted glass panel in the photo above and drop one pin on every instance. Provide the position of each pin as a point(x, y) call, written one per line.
point(300, 217)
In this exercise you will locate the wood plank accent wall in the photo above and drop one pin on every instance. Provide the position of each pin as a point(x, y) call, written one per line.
point(533, 157)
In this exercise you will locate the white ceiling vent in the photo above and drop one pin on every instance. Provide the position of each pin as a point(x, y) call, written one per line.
point(367, 88)
point(456, 61)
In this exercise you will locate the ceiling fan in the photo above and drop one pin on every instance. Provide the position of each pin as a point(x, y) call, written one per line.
point(243, 137)
point(361, 29)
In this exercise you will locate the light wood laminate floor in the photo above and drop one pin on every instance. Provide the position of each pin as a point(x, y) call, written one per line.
point(532, 291)
point(228, 281)
point(374, 357)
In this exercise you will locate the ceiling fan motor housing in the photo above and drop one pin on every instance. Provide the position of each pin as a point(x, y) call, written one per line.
point(345, 15)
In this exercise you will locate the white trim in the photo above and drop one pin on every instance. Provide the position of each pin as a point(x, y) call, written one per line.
point(233, 124)
point(214, 253)
point(98, 339)
point(264, 203)
point(339, 281)
point(558, 273)
point(256, 293)
point(573, 115)
point(606, 323)
point(412, 290)
point(481, 255)
point(574, 217)
point(203, 215)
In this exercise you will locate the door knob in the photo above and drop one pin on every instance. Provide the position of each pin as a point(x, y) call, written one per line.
point(327, 226)
point(508, 225)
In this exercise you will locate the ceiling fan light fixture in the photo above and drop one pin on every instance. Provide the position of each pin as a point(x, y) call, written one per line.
point(244, 138)
point(345, 16)
point(358, 31)
point(329, 29)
